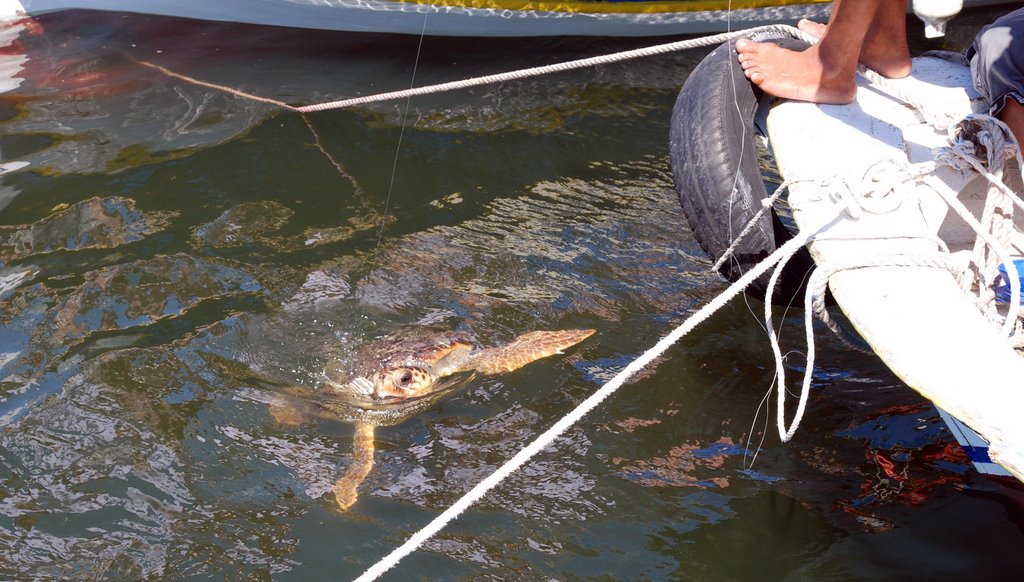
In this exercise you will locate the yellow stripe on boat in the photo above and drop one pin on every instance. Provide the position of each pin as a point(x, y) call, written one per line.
point(613, 6)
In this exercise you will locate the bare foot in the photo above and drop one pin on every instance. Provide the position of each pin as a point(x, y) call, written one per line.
point(815, 29)
point(804, 76)
point(885, 60)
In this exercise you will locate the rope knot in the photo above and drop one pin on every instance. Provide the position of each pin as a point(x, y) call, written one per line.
point(986, 139)
point(880, 190)
point(956, 155)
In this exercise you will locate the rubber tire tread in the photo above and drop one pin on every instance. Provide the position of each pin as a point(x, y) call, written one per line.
point(711, 147)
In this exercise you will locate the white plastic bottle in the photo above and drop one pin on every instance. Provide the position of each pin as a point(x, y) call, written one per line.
point(935, 14)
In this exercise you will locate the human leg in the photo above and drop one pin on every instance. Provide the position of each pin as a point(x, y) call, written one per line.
point(885, 49)
point(1013, 116)
point(824, 73)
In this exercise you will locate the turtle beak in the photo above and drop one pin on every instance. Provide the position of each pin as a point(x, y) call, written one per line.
point(400, 383)
point(383, 388)
point(359, 386)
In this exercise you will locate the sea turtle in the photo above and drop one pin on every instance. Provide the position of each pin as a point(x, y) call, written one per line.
point(390, 380)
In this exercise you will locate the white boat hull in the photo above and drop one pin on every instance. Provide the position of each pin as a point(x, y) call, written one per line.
point(458, 17)
point(916, 319)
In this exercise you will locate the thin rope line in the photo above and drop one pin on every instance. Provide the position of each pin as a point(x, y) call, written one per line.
point(401, 136)
point(782, 29)
point(766, 205)
point(733, 63)
point(560, 67)
point(214, 86)
point(764, 403)
point(338, 166)
point(563, 424)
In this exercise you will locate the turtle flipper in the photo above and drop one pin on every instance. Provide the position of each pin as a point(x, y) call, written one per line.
point(362, 461)
point(523, 350)
point(289, 410)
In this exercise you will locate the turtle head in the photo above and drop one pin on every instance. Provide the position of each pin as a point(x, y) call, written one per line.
point(402, 382)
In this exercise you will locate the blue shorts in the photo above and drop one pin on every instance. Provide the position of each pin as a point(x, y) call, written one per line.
point(997, 61)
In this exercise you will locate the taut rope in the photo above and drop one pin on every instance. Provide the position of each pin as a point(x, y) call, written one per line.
point(563, 424)
point(777, 29)
point(813, 301)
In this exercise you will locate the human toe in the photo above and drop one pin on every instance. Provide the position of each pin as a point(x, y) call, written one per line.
point(815, 29)
point(745, 45)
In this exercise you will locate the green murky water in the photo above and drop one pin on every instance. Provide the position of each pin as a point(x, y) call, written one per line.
point(172, 256)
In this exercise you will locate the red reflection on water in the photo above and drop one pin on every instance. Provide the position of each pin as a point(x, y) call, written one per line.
point(910, 481)
point(73, 74)
point(92, 78)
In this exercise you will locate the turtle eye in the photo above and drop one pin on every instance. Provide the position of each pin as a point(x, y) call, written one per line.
point(406, 378)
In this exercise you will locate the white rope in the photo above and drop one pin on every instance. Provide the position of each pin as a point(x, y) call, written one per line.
point(716, 39)
point(780, 418)
point(998, 249)
point(882, 190)
point(764, 31)
point(545, 439)
point(766, 205)
point(998, 144)
point(892, 88)
point(872, 195)
point(814, 305)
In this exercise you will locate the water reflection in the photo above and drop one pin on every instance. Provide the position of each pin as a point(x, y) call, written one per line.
point(176, 258)
point(91, 224)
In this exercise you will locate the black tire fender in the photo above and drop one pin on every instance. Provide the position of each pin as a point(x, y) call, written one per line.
point(717, 175)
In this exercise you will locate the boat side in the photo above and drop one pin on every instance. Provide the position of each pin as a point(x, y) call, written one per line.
point(465, 17)
point(916, 318)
